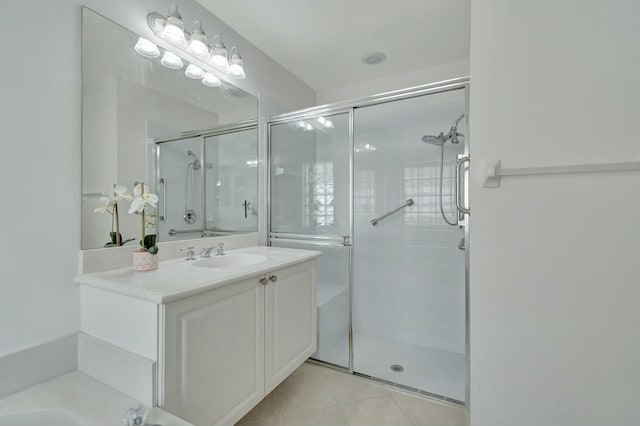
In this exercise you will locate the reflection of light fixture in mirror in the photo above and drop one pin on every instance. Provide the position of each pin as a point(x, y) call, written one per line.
point(325, 122)
point(236, 64)
point(173, 30)
point(219, 54)
point(252, 163)
point(304, 126)
point(197, 45)
point(211, 80)
point(194, 71)
point(171, 60)
point(147, 49)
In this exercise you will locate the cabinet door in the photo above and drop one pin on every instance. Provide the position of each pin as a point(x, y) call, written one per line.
point(214, 354)
point(290, 331)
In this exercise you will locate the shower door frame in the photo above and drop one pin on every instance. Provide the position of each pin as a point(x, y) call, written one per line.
point(203, 135)
point(462, 83)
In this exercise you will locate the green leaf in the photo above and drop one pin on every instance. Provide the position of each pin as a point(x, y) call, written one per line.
point(149, 241)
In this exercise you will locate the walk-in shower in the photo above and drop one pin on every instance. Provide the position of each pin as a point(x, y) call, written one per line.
point(368, 193)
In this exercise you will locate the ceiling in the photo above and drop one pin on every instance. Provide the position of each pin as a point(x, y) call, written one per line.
point(322, 42)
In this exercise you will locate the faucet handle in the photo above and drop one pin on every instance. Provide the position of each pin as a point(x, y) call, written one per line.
point(190, 253)
point(220, 249)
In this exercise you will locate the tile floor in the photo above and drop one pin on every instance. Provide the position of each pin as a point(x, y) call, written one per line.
point(319, 396)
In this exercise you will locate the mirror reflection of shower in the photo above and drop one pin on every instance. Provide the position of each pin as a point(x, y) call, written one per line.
point(190, 215)
point(440, 140)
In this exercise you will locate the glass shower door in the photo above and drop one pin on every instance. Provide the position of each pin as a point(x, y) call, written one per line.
point(310, 209)
point(409, 274)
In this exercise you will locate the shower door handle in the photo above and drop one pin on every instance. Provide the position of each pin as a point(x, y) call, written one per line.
point(163, 217)
point(459, 202)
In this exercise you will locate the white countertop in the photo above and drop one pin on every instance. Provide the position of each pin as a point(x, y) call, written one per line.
point(79, 397)
point(177, 278)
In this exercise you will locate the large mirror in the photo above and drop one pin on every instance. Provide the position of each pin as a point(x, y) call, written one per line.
point(194, 145)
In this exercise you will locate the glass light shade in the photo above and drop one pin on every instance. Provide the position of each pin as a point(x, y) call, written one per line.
point(173, 30)
point(211, 80)
point(236, 65)
point(219, 55)
point(197, 45)
point(147, 49)
point(194, 71)
point(171, 60)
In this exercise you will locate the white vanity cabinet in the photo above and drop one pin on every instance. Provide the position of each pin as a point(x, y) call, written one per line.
point(226, 349)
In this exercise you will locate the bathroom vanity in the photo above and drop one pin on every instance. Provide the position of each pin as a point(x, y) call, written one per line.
point(220, 332)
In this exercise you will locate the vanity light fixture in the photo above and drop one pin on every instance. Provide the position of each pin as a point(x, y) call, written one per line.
point(219, 56)
point(171, 29)
point(194, 71)
point(147, 49)
point(171, 60)
point(236, 64)
point(211, 80)
point(197, 45)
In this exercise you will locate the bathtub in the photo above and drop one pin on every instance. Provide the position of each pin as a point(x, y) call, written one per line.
point(39, 418)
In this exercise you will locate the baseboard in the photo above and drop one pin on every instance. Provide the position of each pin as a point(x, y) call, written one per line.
point(124, 371)
point(37, 364)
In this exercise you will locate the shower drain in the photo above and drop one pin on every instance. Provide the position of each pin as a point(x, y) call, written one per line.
point(397, 368)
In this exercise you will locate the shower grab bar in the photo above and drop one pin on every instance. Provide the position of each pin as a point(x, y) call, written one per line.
point(493, 172)
point(163, 217)
point(461, 160)
point(327, 243)
point(407, 203)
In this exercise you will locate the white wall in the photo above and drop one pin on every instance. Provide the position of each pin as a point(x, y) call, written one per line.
point(40, 162)
point(394, 82)
point(554, 259)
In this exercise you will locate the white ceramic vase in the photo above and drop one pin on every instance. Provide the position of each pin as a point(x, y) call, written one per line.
point(144, 261)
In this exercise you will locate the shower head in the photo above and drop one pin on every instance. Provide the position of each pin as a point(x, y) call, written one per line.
point(195, 163)
point(441, 139)
point(435, 140)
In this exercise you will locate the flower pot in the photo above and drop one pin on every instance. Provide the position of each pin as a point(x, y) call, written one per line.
point(144, 261)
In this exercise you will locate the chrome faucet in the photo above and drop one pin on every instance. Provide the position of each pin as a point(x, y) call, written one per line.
point(220, 249)
point(206, 252)
point(191, 254)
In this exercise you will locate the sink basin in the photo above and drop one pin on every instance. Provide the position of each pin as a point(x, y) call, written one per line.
point(229, 260)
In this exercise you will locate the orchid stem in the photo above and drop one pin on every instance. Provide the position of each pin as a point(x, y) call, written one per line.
point(142, 195)
point(115, 213)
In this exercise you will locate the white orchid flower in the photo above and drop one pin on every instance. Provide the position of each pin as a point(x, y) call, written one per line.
point(137, 205)
point(138, 187)
point(121, 193)
point(104, 204)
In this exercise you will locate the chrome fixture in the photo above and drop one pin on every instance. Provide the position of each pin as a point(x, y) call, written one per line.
point(407, 203)
point(440, 141)
point(206, 252)
point(190, 215)
point(220, 249)
point(462, 245)
point(163, 182)
point(192, 45)
point(191, 254)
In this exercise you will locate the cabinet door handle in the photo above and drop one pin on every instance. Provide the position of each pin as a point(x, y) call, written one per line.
point(273, 278)
point(264, 281)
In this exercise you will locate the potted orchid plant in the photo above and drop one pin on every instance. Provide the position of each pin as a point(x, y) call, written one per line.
point(146, 257)
point(109, 204)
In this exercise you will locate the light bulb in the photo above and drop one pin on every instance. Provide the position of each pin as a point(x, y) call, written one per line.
point(211, 80)
point(147, 49)
point(194, 71)
point(171, 60)
point(198, 43)
point(173, 30)
point(325, 122)
point(236, 65)
point(219, 55)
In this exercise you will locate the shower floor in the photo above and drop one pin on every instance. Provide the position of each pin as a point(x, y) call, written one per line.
point(432, 370)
